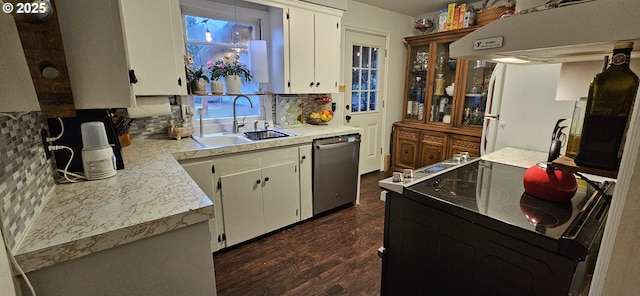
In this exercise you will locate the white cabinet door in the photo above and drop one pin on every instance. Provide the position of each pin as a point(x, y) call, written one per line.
point(155, 53)
point(301, 51)
point(306, 45)
point(306, 188)
point(242, 206)
point(280, 195)
point(327, 53)
point(200, 172)
point(95, 52)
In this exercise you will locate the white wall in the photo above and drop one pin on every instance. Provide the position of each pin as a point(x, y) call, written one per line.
point(396, 26)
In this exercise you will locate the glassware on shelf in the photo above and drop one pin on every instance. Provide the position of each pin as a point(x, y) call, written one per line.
point(440, 82)
point(415, 101)
point(424, 25)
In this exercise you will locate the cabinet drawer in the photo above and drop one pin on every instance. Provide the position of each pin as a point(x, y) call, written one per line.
point(408, 134)
point(464, 144)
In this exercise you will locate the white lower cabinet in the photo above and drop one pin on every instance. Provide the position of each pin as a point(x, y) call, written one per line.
point(253, 192)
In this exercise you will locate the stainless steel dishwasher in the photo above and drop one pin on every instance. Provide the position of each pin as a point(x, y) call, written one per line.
point(335, 172)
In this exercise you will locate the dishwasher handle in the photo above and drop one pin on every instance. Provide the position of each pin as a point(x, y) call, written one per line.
point(336, 145)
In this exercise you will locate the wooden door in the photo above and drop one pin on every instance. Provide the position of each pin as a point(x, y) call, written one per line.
point(432, 148)
point(406, 148)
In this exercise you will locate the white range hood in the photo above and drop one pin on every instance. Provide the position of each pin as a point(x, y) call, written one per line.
point(573, 33)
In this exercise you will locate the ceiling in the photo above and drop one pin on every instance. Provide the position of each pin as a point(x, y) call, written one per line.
point(409, 7)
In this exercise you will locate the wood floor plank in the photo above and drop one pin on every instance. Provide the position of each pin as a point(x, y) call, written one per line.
point(335, 254)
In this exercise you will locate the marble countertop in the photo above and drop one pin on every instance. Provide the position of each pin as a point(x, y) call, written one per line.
point(152, 195)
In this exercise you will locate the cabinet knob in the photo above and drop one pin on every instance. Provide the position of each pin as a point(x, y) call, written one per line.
point(266, 179)
point(258, 181)
point(179, 81)
point(431, 156)
point(304, 157)
point(317, 84)
point(311, 84)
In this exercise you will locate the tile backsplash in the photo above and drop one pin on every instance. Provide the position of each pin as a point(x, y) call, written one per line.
point(26, 175)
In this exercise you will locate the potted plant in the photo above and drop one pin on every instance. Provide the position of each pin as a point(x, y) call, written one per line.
point(197, 79)
point(233, 71)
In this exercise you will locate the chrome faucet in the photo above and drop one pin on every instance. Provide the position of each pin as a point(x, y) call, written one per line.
point(236, 125)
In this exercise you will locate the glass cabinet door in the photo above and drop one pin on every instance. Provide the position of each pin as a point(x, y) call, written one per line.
point(475, 99)
point(443, 85)
point(419, 65)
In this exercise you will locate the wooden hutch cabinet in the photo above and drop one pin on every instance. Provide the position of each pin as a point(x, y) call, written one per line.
point(444, 102)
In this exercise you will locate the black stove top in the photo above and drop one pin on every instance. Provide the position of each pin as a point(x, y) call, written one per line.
point(496, 191)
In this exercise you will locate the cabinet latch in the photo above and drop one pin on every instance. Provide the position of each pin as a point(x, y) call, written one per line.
point(213, 168)
point(132, 77)
point(219, 185)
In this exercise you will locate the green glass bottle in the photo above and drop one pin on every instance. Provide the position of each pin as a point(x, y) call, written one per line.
point(608, 111)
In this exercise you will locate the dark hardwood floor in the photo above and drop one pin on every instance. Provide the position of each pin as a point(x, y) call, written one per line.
point(335, 254)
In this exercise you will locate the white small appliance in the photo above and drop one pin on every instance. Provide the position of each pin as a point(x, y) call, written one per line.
point(98, 159)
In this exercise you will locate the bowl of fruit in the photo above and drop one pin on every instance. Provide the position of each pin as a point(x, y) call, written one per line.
point(320, 117)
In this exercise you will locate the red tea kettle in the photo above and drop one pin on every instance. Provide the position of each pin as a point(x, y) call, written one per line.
point(543, 181)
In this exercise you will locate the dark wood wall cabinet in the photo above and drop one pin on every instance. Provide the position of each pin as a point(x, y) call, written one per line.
point(444, 102)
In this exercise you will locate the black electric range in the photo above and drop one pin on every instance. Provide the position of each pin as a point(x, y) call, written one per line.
point(476, 221)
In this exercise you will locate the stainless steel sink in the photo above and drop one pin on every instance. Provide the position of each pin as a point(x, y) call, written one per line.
point(265, 134)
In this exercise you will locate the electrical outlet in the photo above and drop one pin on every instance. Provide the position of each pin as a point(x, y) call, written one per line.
point(44, 134)
point(188, 59)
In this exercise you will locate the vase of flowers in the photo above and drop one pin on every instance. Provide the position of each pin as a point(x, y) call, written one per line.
point(233, 71)
point(197, 80)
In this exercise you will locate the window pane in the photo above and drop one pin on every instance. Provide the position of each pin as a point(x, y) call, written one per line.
point(356, 57)
point(354, 101)
point(363, 101)
point(228, 39)
point(364, 82)
point(372, 101)
point(366, 53)
point(355, 78)
point(222, 32)
point(374, 58)
point(373, 79)
point(222, 106)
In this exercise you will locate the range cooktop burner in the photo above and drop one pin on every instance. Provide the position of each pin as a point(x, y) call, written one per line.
point(497, 191)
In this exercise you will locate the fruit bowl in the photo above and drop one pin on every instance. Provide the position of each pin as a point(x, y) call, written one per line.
point(322, 100)
point(320, 117)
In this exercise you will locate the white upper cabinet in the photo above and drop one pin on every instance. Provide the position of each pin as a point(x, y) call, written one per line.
point(18, 92)
point(99, 56)
point(153, 34)
point(95, 53)
point(305, 51)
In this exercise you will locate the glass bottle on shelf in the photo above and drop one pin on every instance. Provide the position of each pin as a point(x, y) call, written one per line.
point(608, 110)
point(415, 102)
point(440, 103)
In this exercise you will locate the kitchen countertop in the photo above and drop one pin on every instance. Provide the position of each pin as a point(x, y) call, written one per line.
point(152, 195)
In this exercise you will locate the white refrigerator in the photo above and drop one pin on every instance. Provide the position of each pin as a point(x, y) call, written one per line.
point(522, 109)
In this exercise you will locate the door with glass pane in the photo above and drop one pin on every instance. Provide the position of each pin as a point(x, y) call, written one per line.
point(364, 78)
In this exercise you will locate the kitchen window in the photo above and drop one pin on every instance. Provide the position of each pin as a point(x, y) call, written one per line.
point(210, 39)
